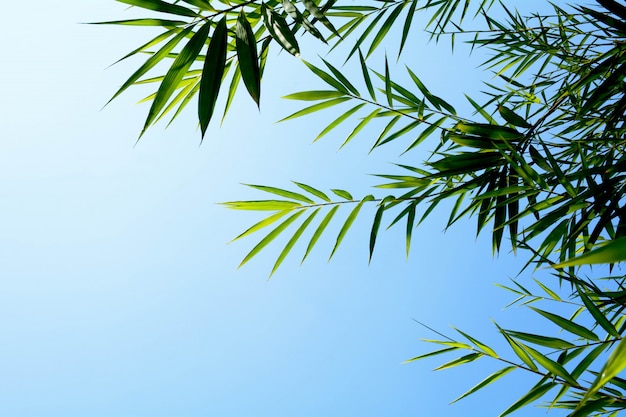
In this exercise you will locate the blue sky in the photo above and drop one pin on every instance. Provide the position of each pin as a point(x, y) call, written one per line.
point(119, 295)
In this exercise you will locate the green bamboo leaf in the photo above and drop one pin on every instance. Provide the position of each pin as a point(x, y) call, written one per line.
point(262, 205)
point(388, 93)
point(263, 223)
point(278, 28)
point(613, 366)
point(597, 314)
point(176, 73)
point(364, 122)
point(513, 118)
point(410, 221)
point(346, 226)
point(491, 378)
point(518, 349)
point(232, 88)
point(293, 241)
point(161, 6)
point(612, 252)
point(584, 364)
point(376, 224)
point(327, 78)
point(481, 110)
point(568, 325)
point(201, 4)
point(314, 95)
point(535, 393)
point(481, 346)
point(432, 127)
point(152, 61)
point(551, 293)
point(366, 77)
point(492, 132)
point(551, 342)
point(212, 74)
point(470, 357)
point(384, 28)
point(295, 14)
point(283, 193)
point(343, 194)
point(344, 116)
point(144, 22)
point(433, 353)
point(245, 44)
point(318, 232)
point(407, 26)
point(270, 236)
point(553, 367)
point(315, 192)
point(341, 78)
point(316, 107)
point(365, 34)
point(317, 14)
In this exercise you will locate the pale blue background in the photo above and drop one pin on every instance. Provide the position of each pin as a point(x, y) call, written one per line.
point(119, 295)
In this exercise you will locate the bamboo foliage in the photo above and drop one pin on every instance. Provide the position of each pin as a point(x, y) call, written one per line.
point(540, 163)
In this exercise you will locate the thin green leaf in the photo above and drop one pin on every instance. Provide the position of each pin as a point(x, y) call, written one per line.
point(283, 193)
point(248, 57)
point(161, 6)
point(212, 74)
point(176, 73)
point(293, 241)
point(318, 232)
point(568, 325)
point(316, 107)
point(315, 192)
point(346, 226)
point(491, 378)
point(271, 236)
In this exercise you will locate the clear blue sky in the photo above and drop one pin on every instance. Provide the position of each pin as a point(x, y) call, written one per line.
point(119, 295)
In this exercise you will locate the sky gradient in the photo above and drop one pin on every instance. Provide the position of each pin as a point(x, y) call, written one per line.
point(120, 295)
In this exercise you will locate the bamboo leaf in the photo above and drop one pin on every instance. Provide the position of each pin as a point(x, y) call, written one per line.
point(318, 232)
point(613, 366)
point(270, 237)
point(470, 357)
point(597, 314)
point(491, 378)
point(535, 393)
point(612, 252)
point(344, 116)
point(314, 95)
point(568, 325)
point(513, 118)
point(481, 346)
point(553, 367)
point(433, 353)
point(293, 241)
point(245, 43)
point(315, 192)
point(283, 193)
point(262, 205)
point(278, 28)
point(343, 194)
point(176, 73)
point(152, 61)
point(316, 107)
point(161, 6)
point(349, 220)
point(263, 223)
point(212, 74)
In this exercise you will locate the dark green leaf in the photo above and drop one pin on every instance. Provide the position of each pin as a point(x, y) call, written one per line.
point(212, 74)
